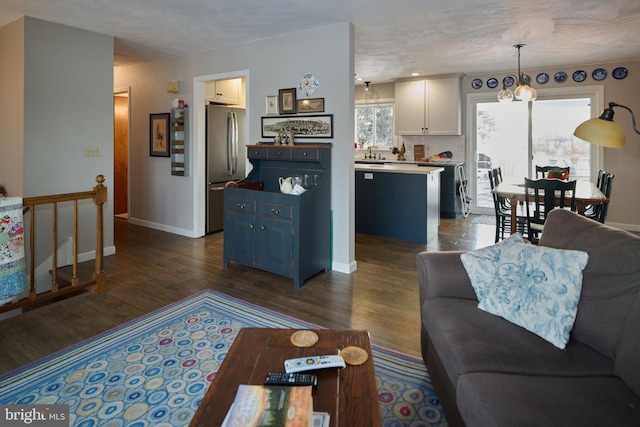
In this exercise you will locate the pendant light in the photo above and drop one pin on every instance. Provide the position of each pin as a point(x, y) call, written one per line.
point(524, 91)
point(366, 88)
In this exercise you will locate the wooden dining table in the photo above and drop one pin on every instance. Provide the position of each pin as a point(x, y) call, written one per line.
point(587, 193)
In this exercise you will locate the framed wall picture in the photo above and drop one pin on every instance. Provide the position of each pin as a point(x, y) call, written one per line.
point(272, 104)
point(311, 105)
point(287, 101)
point(159, 135)
point(311, 126)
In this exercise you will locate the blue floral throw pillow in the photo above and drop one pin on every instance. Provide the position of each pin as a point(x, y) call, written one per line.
point(535, 287)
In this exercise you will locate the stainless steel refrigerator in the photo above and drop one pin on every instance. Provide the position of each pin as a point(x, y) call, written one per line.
point(226, 156)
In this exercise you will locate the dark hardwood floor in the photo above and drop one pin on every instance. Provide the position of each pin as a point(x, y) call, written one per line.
point(152, 269)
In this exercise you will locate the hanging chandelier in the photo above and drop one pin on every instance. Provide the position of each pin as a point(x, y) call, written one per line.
point(523, 92)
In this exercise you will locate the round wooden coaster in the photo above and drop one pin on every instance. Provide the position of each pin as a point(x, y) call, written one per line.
point(304, 338)
point(353, 355)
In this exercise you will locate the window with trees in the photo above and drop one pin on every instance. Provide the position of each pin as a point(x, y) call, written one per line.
point(374, 125)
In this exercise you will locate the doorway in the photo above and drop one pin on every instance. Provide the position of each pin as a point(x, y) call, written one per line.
point(121, 154)
point(517, 136)
point(199, 152)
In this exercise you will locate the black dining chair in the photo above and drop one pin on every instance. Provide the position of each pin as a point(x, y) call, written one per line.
point(605, 183)
point(541, 197)
point(557, 172)
point(502, 209)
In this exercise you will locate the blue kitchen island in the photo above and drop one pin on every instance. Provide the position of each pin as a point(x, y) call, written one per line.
point(398, 201)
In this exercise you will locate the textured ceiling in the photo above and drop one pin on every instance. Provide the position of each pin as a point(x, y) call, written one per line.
point(392, 38)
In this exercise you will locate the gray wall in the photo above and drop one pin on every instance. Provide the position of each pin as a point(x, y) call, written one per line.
point(176, 204)
point(67, 104)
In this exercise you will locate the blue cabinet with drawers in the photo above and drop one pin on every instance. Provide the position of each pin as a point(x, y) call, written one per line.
point(285, 234)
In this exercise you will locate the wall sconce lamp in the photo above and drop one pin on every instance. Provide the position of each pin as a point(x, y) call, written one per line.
point(366, 88)
point(603, 130)
point(523, 91)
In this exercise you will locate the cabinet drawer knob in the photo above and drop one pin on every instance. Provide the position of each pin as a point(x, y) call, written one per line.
point(275, 211)
point(304, 154)
point(262, 227)
point(250, 225)
point(241, 205)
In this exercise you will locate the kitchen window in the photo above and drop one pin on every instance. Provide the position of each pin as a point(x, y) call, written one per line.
point(374, 125)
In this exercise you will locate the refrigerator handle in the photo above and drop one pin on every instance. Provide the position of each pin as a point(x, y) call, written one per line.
point(235, 141)
point(232, 143)
point(229, 144)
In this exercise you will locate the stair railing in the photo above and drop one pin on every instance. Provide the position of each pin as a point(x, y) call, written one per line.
point(98, 278)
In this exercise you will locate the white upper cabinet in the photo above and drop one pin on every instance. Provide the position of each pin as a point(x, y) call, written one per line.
point(428, 107)
point(223, 91)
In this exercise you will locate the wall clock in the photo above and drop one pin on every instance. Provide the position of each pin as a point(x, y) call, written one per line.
point(308, 84)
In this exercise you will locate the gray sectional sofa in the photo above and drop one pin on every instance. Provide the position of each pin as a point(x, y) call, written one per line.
point(489, 372)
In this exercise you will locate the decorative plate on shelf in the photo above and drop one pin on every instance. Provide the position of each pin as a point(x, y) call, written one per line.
point(492, 83)
point(542, 78)
point(619, 73)
point(579, 76)
point(599, 74)
point(509, 81)
point(560, 77)
point(476, 83)
point(308, 84)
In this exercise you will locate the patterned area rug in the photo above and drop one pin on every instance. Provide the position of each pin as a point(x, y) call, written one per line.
point(155, 370)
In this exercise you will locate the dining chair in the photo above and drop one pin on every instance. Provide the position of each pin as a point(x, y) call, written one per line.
point(605, 183)
point(541, 197)
point(502, 209)
point(543, 172)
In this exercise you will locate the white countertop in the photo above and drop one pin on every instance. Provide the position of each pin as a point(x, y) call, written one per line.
point(398, 168)
point(432, 162)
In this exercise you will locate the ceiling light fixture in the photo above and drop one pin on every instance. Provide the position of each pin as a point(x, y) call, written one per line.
point(603, 130)
point(523, 91)
point(366, 89)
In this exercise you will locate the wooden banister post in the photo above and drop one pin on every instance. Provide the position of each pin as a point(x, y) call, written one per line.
point(99, 198)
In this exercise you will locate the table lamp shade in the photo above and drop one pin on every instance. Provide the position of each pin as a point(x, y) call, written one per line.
point(601, 132)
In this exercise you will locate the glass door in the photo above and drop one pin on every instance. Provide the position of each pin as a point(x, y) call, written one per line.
point(517, 136)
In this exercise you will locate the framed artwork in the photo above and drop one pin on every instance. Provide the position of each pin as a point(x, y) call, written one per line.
point(272, 104)
point(311, 126)
point(287, 101)
point(311, 105)
point(159, 135)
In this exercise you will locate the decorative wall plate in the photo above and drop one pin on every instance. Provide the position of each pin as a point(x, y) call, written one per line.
point(308, 84)
point(579, 76)
point(476, 83)
point(492, 83)
point(526, 79)
point(509, 81)
point(542, 78)
point(619, 73)
point(560, 77)
point(599, 74)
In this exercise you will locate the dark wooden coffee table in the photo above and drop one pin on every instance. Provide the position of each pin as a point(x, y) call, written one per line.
point(348, 394)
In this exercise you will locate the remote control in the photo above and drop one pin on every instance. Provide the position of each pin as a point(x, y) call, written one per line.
point(311, 363)
point(280, 378)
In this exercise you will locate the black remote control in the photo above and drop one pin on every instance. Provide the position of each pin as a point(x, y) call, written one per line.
point(280, 378)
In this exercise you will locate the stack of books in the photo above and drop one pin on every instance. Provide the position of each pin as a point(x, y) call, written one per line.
point(274, 406)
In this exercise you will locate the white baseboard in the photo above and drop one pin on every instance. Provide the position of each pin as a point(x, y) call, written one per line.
point(163, 227)
point(344, 268)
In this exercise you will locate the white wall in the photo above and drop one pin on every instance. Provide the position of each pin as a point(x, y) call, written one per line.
point(167, 202)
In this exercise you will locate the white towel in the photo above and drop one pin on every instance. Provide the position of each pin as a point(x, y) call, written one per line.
point(13, 280)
